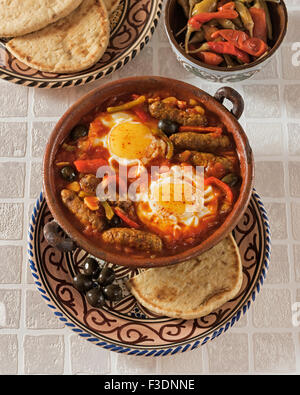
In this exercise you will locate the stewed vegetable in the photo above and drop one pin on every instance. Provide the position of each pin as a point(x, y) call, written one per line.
point(168, 127)
point(227, 33)
point(106, 276)
point(68, 173)
point(91, 268)
point(120, 181)
point(82, 283)
point(95, 297)
point(96, 282)
point(112, 292)
point(78, 132)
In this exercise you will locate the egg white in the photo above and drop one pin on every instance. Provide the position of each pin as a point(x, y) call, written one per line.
point(117, 121)
point(176, 218)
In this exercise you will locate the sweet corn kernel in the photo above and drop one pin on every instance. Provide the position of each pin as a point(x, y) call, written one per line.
point(92, 202)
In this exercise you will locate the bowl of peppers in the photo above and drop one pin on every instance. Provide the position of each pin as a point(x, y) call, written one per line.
point(225, 40)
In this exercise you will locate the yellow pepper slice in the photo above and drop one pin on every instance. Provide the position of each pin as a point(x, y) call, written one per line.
point(92, 202)
point(128, 105)
point(109, 212)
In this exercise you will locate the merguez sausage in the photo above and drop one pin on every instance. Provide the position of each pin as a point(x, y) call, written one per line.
point(134, 238)
point(160, 110)
point(206, 159)
point(81, 211)
point(199, 142)
point(89, 183)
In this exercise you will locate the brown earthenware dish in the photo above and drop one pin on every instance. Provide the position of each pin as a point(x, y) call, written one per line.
point(143, 85)
point(175, 21)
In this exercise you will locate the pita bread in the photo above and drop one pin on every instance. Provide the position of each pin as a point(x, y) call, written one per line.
point(19, 17)
point(111, 5)
point(69, 45)
point(194, 288)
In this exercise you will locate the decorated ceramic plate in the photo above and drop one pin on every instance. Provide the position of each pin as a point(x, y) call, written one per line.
point(126, 326)
point(132, 26)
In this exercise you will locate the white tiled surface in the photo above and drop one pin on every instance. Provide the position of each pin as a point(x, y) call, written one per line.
point(33, 341)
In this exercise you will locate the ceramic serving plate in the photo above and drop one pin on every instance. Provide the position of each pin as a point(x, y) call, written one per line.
point(132, 26)
point(126, 326)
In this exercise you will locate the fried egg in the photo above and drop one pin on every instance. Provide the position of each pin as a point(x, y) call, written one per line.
point(176, 203)
point(129, 141)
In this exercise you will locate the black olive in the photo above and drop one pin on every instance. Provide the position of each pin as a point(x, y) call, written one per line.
point(231, 179)
point(106, 276)
point(82, 283)
point(112, 292)
point(79, 131)
point(95, 297)
point(68, 173)
point(115, 222)
point(90, 267)
point(168, 127)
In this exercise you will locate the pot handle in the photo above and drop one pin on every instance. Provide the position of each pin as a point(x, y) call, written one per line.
point(232, 95)
point(54, 237)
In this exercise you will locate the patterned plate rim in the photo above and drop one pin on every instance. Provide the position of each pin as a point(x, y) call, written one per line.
point(162, 350)
point(88, 77)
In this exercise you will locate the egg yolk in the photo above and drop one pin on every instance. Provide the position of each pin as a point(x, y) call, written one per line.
point(174, 198)
point(130, 140)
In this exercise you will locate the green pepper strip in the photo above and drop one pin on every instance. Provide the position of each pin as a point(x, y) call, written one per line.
point(170, 146)
point(128, 105)
point(245, 16)
point(268, 20)
point(202, 6)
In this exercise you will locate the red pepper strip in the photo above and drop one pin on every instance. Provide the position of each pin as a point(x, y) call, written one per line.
point(260, 23)
point(196, 21)
point(227, 6)
point(252, 45)
point(202, 129)
point(89, 165)
point(125, 218)
point(228, 48)
point(234, 36)
point(220, 184)
point(210, 58)
point(141, 113)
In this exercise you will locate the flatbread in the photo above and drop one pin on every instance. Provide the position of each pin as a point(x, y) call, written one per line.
point(111, 5)
point(69, 45)
point(19, 17)
point(194, 288)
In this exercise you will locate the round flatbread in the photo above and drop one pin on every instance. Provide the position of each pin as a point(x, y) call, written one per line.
point(111, 5)
point(19, 17)
point(194, 288)
point(69, 45)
